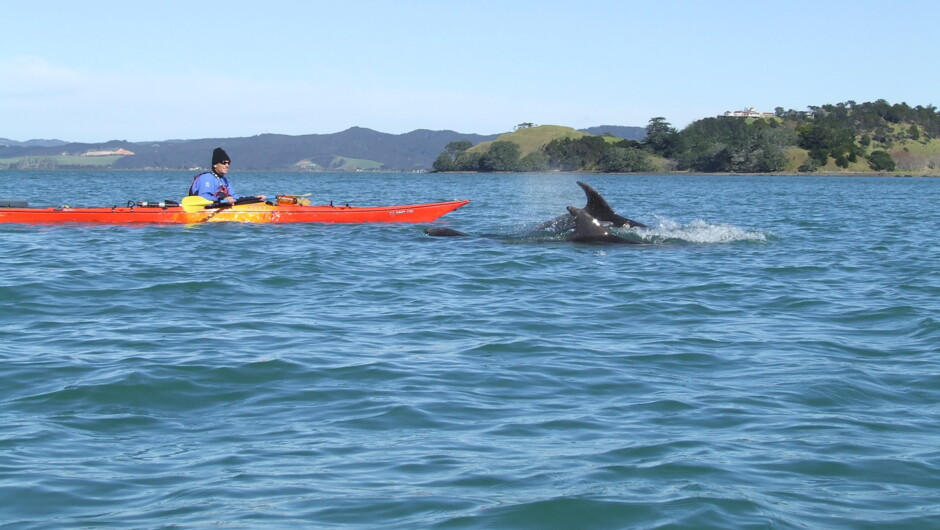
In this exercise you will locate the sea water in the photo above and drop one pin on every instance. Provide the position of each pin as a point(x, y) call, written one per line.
point(770, 357)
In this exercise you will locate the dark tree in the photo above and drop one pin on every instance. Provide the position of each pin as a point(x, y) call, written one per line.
point(501, 156)
point(447, 160)
point(881, 161)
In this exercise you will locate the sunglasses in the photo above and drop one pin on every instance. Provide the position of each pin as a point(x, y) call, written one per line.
point(225, 163)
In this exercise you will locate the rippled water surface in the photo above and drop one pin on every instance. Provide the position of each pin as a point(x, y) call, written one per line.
point(769, 358)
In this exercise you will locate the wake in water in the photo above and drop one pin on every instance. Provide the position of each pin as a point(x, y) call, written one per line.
point(665, 232)
point(698, 231)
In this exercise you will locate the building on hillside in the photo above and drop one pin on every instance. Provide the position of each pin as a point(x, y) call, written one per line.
point(750, 112)
point(112, 152)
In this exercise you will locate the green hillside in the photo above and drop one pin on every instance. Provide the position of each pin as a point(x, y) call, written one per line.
point(545, 148)
point(337, 163)
point(530, 139)
point(910, 157)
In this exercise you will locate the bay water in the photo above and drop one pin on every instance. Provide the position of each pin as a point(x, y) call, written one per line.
point(768, 358)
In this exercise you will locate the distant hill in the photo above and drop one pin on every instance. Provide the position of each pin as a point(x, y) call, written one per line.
point(31, 143)
point(412, 151)
point(354, 149)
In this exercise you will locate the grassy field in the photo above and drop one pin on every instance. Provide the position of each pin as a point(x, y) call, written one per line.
point(40, 162)
point(342, 163)
point(532, 138)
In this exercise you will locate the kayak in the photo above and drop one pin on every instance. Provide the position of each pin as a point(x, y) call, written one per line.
point(202, 211)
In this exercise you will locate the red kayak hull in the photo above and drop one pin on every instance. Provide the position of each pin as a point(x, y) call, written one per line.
point(247, 213)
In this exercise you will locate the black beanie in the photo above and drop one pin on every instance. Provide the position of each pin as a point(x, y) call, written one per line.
point(219, 155)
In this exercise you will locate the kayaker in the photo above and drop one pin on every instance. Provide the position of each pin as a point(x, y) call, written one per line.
point(214, 185)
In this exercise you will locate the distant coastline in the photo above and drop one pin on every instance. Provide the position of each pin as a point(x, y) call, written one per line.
point(844, 139)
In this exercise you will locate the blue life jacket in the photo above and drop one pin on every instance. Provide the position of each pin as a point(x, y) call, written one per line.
point(211, 186)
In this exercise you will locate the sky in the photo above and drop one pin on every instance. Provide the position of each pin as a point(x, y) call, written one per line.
point(101, 70)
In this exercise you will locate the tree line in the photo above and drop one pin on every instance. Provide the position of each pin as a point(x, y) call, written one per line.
point(588, 153)
point(844, 133)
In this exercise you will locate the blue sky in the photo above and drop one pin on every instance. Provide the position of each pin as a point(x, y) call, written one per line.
point(94, 71)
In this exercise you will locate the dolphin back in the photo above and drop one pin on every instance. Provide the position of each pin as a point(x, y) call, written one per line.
point(442, 231)
point(590, 230)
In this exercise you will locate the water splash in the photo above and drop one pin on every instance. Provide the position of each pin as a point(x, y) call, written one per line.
point(698, 231)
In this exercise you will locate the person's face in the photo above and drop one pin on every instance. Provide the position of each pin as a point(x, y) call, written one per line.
point(222, 167)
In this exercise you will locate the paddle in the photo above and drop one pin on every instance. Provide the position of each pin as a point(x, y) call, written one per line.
point(195, 203)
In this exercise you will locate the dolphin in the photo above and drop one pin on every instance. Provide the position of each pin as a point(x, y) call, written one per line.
point(588, 229)
point(597, 207)
point(597, 211)
point(441, 231)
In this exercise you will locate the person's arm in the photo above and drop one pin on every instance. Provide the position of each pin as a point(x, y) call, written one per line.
point(236, 196)
point(232, 196)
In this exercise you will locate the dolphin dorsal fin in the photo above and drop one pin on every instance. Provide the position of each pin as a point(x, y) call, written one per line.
point(598, 208)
